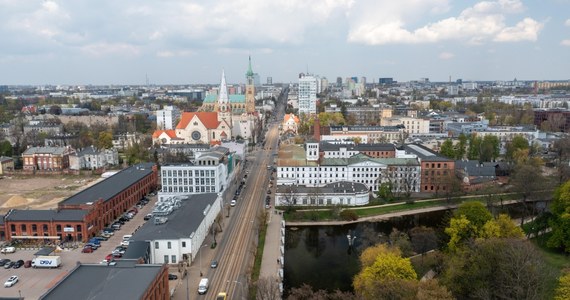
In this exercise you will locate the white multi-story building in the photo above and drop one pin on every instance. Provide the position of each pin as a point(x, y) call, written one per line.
point(177, 234)
point(298, 166)
point(167, 117)
point(92, 158)
point(411, 125)
point(210, 172)
point(308, 87)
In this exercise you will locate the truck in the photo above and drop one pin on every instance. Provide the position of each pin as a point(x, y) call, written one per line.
point(46, 262)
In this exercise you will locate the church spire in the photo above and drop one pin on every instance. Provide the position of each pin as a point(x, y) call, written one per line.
point(249, 70)
point(223, 96)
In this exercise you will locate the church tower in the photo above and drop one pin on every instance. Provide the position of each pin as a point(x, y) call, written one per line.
point(249, 90)
point(223, 108)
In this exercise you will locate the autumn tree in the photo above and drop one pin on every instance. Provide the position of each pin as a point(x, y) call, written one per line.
point(267, 289)
point(563, 289)
point(384, 275)
point(423, 239)
point(529, 183)
point(431, 289)
point(306, 292)
point(502, 227)
point(518, 142)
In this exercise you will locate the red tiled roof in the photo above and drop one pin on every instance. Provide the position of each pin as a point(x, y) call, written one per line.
point(209, 119)
point(171, 133)
point(291, 116)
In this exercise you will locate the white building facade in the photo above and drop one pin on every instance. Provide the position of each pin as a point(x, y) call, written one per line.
point(307, 96)
point(167, 117)
point(338, 193)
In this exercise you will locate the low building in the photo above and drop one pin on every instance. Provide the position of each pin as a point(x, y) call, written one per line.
point(290, 124)
point(46, 158)
point(437, 172)
point(125, 280)
point(91, 158)
point(179, 227)
point(6, 164)
point(338, 193)
point(345, 150)
point(86, 213)
point(366, 134)
point(475, 176)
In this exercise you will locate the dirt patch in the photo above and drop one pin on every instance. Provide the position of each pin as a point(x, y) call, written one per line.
point(40, 192)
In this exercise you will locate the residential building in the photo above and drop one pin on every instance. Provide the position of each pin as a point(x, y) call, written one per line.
point(475, 176)
point(437, 172)
point(125, 280)
point(411, 125)
point(91, 158)
point(167, 117)
point(366, 134)
point(179, 227)
point(307, 97)
point(46, 158)
point(337, 193)
point(346, 150)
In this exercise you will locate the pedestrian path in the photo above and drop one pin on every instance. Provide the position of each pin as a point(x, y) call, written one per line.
point(273, 261)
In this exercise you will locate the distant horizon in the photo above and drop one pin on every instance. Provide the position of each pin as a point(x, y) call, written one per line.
point(178, 42)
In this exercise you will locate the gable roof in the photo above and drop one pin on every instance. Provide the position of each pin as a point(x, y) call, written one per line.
point(291, 116)
point(170, 132)
point(209, 119)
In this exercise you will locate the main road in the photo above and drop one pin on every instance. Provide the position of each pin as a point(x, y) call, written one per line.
point(235, 251)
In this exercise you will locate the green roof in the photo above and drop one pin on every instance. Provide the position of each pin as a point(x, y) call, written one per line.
point(233, 98)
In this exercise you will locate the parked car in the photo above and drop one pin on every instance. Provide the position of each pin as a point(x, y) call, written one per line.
point(87, 249)
point(233, 202)
point(18, 264)
point(9, 264)
point(3, 261)
point(8, 250)
point(28, 264)
point(11, 281)
point(92, 246)
point(109, 231)
point(172, 277)
point(147, 217)
point(214, 264)
point(117, 255)
point(268, 191)
point(125, 243)
point(116, 226)
point(109, 257)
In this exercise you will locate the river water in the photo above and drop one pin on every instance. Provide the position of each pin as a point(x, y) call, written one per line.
point(321, 257)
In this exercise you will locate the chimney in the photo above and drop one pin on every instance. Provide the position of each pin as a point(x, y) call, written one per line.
point(317, 129)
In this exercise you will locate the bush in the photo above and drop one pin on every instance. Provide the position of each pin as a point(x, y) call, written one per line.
point(348, 215)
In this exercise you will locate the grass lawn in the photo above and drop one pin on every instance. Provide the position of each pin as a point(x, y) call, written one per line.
point(554, 259)
point(387, 209)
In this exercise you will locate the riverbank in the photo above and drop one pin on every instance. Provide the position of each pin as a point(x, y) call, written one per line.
point(383, 212)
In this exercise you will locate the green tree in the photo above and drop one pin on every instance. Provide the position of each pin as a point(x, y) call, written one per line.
point(490, 146)
point(6, 148)
point(385, 192)
point(461, 146)
point(431, 289)
point(518, 142)
point(560, 221)
point(447, 149)
point(474, 147)
point(459, 231)
point(563, 289)
point(502, 227)
point(475, 212)
point(105, 140)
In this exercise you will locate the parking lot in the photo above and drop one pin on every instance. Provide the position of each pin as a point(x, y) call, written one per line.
point(35, 282)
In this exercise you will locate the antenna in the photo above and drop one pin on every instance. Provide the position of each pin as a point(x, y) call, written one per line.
point(146, 76)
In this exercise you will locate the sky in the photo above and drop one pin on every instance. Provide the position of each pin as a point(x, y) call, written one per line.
point(77, 42)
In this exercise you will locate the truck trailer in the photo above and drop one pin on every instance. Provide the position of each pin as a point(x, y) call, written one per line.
point(46, 262)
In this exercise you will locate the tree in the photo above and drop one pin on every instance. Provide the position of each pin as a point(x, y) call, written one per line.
point(6, 148)
point(560, 222)
point(459, 231)
point(306, 292)
point(490, 146)
point(475, 212)
point(267, 289)
point(447, 149)
point(563, 289)
point(518, 142)
point(528, 181)
point(502, 227)
point(474, 147)
point(423, 239)
point(461, 146)
point(497, 269)
point(401, 240)
point(431, 289)
point(54, 110)
point(384, 275)
point(385, 191)
point(105, 140)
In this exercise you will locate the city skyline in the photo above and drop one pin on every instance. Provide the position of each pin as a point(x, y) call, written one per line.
point(181, 42)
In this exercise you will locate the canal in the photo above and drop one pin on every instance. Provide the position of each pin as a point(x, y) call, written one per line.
point(321, 257)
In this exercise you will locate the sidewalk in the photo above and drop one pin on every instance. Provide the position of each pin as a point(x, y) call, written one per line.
point(272, 262)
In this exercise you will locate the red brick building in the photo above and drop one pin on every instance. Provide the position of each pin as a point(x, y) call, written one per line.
point(86, 213)
point(437, 172)
point(46, 158)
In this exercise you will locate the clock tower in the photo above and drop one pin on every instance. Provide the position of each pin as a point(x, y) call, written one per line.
point(249, 90)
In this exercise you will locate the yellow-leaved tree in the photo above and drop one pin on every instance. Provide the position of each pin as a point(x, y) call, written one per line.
point(563, 289)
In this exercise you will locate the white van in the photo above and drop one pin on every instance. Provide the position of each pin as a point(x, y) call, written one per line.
point(127, 237)
point(203, 286)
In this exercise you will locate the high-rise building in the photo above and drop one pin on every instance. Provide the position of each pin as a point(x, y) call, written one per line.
point(308, 86)
point(167, 117)
point(339, 82)
point(387, 80)
point(269, 80)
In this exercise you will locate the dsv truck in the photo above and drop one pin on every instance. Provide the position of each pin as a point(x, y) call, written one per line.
point(46, 262)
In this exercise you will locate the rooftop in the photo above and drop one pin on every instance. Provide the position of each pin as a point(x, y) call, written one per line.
point(424, 153)
point(46, 215)
point(102, 282)
point(330, 188)
point(181, 223)
point(111, 186)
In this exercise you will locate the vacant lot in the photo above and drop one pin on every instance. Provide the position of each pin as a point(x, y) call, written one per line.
point(40, 192)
